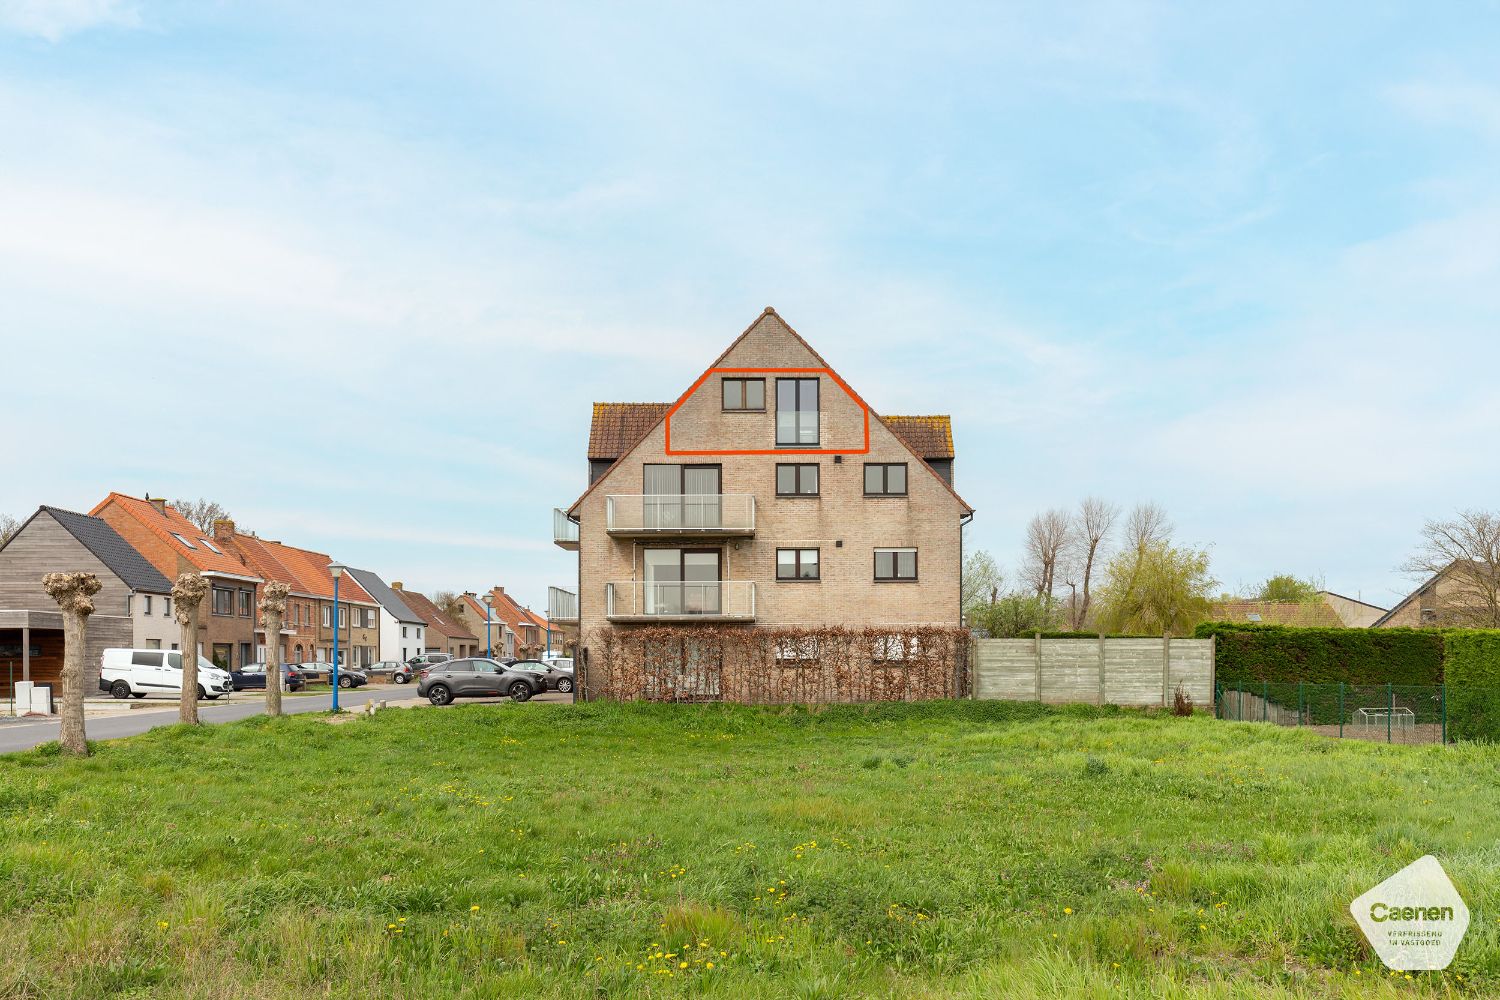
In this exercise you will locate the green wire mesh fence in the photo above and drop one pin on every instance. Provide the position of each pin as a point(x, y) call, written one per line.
point(1387, 713)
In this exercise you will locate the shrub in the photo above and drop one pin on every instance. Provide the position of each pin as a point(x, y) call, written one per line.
point(1471, 665)
point(1284, 654)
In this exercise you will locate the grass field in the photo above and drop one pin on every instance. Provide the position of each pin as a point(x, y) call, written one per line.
point(936, 850)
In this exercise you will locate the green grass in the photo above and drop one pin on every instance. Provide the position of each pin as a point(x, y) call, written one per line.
point(936, 850)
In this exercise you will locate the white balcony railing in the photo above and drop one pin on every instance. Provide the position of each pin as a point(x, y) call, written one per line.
point(716, 599)
point(564, 531)
point(673, 514)
point(562, 605)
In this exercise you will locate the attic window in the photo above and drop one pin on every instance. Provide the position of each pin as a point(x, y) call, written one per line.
point(211, 546)
point(184, 541)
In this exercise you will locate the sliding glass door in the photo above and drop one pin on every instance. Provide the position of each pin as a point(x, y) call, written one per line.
point(682, 581)
point(681, 497)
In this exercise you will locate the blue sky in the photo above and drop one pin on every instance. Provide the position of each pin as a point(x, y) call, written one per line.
point(1245, 264)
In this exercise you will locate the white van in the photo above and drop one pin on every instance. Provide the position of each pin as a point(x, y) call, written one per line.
point(135, 673)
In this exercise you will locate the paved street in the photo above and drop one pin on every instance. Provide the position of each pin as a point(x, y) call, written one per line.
point(22, 734)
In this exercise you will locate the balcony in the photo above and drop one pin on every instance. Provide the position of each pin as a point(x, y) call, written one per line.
point(562, 605)
point(564, 531)
point(708, 515)
point(710, 601)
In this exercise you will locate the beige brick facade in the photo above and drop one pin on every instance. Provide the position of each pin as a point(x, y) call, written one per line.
point(841, 522)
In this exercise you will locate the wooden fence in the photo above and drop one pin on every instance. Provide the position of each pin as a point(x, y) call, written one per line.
point(1101, 671)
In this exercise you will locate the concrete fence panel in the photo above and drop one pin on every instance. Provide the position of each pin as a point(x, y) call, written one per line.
point(1094, 671)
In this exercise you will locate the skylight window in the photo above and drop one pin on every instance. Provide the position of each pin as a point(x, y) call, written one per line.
point(211, 546)
point(184, 541)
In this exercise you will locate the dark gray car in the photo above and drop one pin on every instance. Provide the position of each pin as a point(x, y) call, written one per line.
point(477, 678)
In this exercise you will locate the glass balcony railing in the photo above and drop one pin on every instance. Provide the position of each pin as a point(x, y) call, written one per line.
point(716, 600)
point(720, 514)
point(564, 531)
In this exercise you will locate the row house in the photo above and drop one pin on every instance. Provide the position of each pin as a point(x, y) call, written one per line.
point(444, 634)
point(228, 619)
point(403, 633)
point(769, 494)
point(480, 618)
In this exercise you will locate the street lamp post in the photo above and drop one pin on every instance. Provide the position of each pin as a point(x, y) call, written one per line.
point(337, 569)
point(489, 612)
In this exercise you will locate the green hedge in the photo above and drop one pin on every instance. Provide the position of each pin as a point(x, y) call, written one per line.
point(1471, 665)
point(1285, 654)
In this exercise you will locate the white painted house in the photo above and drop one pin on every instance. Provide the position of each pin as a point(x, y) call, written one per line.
point(402, 633)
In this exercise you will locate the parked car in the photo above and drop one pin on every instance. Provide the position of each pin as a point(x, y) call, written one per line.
point(556, 677)
point(352, 677)
point(428, 659)
point(399, 672)
point(252, 676)
point(135, 673)
point(475, 677)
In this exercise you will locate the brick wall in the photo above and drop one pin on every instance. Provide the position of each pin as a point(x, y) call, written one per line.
point(926, 519)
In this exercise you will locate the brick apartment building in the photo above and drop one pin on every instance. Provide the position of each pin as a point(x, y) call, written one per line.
point(768, 495)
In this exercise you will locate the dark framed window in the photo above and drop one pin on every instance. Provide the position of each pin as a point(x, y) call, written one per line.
point(799, 480)
point(223, 599)
point(246, 600)
point(885, 479)
point(797, 564)
point(893, 565)
point(796, 412)
point(745, 394)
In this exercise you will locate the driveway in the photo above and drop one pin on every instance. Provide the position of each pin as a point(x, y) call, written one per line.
point(23, 734)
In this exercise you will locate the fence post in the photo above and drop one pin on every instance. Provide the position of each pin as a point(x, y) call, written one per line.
point(1301, 700)
point(1443, 698)
point(1390, 708)
point(1265, 701)
point(1341, 709)
point(1166, 669)
point(1103, 660)
point(1037, 646)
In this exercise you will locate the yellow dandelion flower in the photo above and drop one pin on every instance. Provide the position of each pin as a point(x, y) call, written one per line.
point(1067, 909)
point(474, 908)
point(708, 965)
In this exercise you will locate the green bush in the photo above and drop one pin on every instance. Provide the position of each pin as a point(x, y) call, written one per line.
point(1284, 654)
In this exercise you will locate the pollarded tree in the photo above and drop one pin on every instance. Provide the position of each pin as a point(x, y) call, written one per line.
point(187, 596)
point(74, 594)
point(272, 614)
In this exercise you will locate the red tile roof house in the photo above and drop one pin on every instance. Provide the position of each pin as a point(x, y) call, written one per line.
point(358, 616)
point(171, 543)
point(490, 628)
point(444, 635)
point(527, 632)
point(300, 641)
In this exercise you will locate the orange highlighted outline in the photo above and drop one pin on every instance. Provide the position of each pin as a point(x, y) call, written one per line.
point(771, 451)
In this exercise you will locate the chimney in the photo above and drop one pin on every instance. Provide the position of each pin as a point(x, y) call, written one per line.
point(160, 503)
point(223, 528)
point(395, 584)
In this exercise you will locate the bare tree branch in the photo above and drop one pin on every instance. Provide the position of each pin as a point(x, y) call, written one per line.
point(1461, 557)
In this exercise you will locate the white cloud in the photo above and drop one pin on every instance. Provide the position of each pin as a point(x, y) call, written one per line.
point(54, 20)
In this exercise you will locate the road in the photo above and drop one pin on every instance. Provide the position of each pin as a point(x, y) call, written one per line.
point(23, 734)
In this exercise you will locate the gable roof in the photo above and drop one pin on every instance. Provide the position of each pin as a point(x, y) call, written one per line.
point(931, 437)
point(304, 570)
point(95, 534)
point(1429, 582)
point(433, 618)
point(167, 524)
point(768, 311)
point(385, 596)
point(616, 427)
